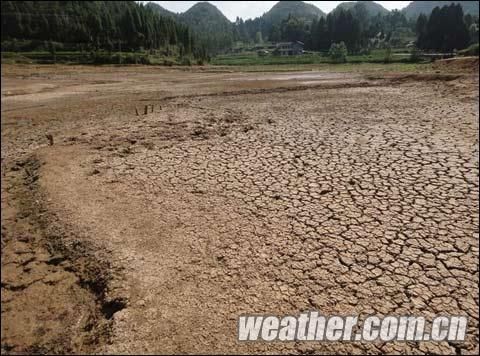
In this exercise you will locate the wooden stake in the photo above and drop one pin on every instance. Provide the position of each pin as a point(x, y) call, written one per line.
point(50, 139)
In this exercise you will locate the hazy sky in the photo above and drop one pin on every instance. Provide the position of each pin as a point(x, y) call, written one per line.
point(252, 9)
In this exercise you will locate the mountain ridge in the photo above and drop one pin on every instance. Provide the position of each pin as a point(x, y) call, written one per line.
point(282, 9)
point(415, 8)
point(160, 9)
point(371, 7)
point(299, 9)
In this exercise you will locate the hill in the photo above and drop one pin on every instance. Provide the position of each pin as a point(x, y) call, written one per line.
point(299, 9)
point(203, 12)
point(372, 7)
point(93, 25)
point(209, 24)
point(159, 10)
point(415, 8)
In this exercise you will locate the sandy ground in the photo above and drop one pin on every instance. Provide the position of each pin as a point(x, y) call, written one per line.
point(236, 193)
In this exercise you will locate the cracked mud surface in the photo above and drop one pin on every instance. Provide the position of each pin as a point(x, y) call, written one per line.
point(47, 303)
point(335, 193)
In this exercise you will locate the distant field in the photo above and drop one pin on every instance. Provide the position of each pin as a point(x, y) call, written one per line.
point(101, 57)
point(244, 59)
point(377, 56)
point(362, 67)
point(227, 63)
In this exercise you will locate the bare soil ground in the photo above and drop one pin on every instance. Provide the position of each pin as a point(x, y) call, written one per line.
point(463, 64)
point(239, 193)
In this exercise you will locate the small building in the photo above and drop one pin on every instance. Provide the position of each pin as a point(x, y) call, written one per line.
point(289, 48)
point(410, 45)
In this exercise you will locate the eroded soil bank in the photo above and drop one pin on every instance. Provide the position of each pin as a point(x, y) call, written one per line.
point(53, 283)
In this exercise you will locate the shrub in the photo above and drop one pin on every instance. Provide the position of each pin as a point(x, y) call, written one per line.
point(185, 61)
point(414, 54)
point(117, 59)
point(388, 54)
point(338, 52)
point(469, 51)
point(145, 59)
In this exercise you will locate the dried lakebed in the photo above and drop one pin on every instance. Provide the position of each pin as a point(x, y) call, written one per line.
point(359, 197)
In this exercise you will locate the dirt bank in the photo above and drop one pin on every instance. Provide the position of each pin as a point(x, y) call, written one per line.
point(53, 284)
point(458, 64)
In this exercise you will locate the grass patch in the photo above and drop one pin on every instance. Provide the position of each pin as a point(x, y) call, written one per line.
point(470, 51)
point(243, 59)
point(99, 57)
point(345, 67)
point(248, 62)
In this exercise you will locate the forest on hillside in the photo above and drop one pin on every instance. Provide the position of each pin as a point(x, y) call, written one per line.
point(446, 28)
point(202, 31)
point(360, 25)
point(93, 25)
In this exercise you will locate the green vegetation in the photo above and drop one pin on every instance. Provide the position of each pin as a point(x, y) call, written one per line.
point(415, 8)
point(338, 52)
point(160, 10)
point(213, 29)
point(371, 7)
point(363, 67)
point(283, 9)
point(362, 25)
point(470, 51)
point(375, 56)
point(104, 32)
point(93, 26)
point(444, 30)
point(97, 57)
point(210, 27)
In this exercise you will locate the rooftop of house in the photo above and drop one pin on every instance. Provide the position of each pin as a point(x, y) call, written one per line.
point(290, 43)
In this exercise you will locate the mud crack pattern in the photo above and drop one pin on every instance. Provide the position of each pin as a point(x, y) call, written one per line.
point(366, 207)
point(354, 199)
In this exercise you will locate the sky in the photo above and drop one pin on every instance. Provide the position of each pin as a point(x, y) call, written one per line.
point(252, 9)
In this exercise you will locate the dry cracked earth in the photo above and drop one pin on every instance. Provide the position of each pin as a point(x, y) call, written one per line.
point(236, 193)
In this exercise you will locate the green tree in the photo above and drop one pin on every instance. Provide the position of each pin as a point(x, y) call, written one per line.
point(322, 35)
point(258, 37)
point(338, 52)
point(421, 29)
point(446, 29)
point(293, 29)
point(94, 25)
point(473, 31)
point(388, 54)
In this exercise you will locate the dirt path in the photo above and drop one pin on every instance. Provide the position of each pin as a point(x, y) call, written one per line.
point(349, 196)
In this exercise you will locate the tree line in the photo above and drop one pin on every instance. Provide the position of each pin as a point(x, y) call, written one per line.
point(355, 27)
point(446, 29)
point(93, 25)
point(130, 26)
